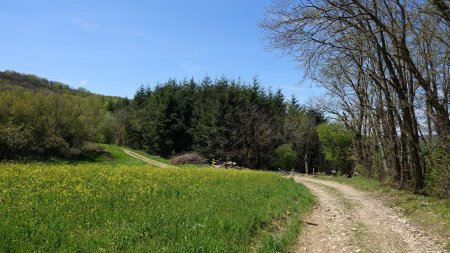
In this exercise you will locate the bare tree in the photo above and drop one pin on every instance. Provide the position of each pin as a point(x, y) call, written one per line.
point(384, 62)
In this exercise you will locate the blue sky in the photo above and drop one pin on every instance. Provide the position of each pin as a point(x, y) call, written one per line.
point(112, 47)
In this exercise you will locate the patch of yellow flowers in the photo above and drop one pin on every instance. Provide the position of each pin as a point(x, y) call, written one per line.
point(137, 208)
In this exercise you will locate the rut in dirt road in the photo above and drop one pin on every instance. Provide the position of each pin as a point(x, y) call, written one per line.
point(145, 159)
point(351, 221)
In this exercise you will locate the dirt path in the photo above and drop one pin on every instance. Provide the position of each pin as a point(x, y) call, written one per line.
point(145, 159)
point(352, 221)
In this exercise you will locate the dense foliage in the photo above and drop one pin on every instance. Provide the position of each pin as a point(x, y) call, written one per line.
point(285, 157)
point(37, 121)
point(222, 120)
point(337, 146)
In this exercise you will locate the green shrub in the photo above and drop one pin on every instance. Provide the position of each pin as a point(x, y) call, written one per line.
point(285, 157)
point(337, 145)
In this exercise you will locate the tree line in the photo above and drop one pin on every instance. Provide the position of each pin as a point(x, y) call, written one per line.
point(221, 119)
point(385, 64)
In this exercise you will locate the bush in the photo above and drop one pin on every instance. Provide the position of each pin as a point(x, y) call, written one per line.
point(437, 176)
point(337, 146)
point(284, 157)
point(188, 158)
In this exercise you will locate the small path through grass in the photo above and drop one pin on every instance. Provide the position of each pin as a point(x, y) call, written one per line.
point(349, 220)
point(145, 159)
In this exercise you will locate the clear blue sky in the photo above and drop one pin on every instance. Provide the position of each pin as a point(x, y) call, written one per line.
point(112, 47)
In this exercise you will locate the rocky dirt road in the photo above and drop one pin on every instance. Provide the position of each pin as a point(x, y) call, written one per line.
point(349, 220)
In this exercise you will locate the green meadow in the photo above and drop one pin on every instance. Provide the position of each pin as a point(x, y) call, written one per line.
point(121, 205)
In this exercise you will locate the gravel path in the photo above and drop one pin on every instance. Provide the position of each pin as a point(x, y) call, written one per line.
point(349, 220)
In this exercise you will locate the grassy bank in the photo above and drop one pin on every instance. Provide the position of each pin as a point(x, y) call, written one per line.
point(429, 212)
point(99, 207)
point(113, 156)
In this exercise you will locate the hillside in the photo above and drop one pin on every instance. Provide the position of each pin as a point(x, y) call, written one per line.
point(42, 119)
point(15, 81)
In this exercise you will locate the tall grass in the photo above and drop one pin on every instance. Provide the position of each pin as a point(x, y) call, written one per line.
point(91, 207)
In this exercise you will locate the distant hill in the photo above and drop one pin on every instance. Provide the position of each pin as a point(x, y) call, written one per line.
point(11, 80)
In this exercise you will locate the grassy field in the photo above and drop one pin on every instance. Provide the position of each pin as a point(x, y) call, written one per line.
point(108, 206)
point(415, 207)
point(113, 157)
